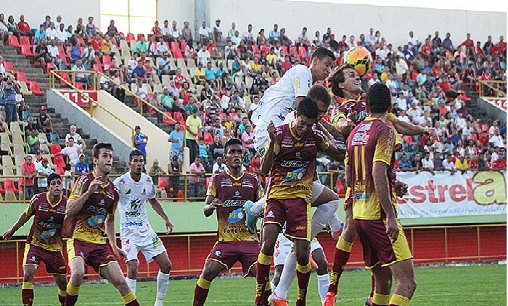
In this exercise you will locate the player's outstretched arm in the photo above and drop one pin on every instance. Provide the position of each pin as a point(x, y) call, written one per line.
point(23, 218)
point(160, 211)
point(410, 129)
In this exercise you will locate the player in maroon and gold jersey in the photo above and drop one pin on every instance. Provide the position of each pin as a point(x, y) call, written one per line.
point(90, 225)
point(290, 159)
point(227, 194)
point(369, 176)
point(44, 242)
point(345, 84)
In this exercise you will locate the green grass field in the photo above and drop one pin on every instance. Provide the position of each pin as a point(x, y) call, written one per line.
point(443, 286)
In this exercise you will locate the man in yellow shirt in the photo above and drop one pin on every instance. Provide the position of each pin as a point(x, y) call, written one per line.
point(199, 75)
point(461, 164)
point(193, 125)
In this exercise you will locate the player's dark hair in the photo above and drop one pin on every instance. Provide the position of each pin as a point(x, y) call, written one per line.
point(53, 176)
point(135, 152)
point(319, 93)
point(379, 98)
point(230, 142)
point(337, 77)
point(308, 108)
point(101, 145)
point(322, 52)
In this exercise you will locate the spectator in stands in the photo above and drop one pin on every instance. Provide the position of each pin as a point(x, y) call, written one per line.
point(139, 140)
point(155, 172)
point(43, 171)
point(51, 32)
point(24, 27)
point(107, 46)
point(44, 121)
point(4, 29)
point(205, 33)
point(500, 162)
point(187, 34)
point(417, 162)
point(461, 163)
point(203, 56)
point(197, 170)
point(29, 172)
point(13, 27)
point(33, 141)
point(77, 137)
point(139, 74)
point(404, 163)
point(194, 126)
point(248, 36)
point(248, 138)
point(199, 75)
point(174, 170)
point(10, 89)
point(81, 167)
point(72, 151)
point(176, 137)
point(219, 166)
point(438, 162)
point(496, 140)
point(427, 162)
point(448, 163)
point(216, 149)
point(90, 27)
point(203, 153)
point(41, 53)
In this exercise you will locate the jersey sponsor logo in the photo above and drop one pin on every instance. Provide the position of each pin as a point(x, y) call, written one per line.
point(360, 139)
point(233, 203)
point(364, 127)
point(156, 242)
point(218, 253)
point(295, 175)
point(127, 191)
point(134, 223)
point(300, 228)
point(294, 164)
point(270, 214)
point(236, 215)
point(48, 233)
point(135, 204)
point(361, 196)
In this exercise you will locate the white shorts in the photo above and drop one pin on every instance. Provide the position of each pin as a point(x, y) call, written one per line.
point(317, 190)
point(283, 247)
point(150, 245)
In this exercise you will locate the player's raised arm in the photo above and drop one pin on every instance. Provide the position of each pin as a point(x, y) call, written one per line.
point(23, 218)
point(160, 211)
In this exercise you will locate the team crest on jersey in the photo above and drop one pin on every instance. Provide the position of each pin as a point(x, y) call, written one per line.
point(270, 214)
point(236, 215)
point(127, 191)
point(218, 253)
point(237, 194)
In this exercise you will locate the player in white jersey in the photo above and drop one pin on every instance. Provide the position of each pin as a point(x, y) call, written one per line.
point(283, 97)
point(136, 188)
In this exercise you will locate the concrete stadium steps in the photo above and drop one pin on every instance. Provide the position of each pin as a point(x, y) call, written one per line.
point(60, 123)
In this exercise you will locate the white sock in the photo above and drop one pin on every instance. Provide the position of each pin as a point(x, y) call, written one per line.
point(131, 283)
point(323, 281)
point(287, 276)
point(162, 287)
point(322, 215)
point(258, 206)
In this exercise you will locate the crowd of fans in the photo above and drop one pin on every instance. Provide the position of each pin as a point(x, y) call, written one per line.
point(212, 81)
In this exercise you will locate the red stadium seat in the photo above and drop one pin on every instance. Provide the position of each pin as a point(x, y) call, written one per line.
point(13, 41)
point(183, 45)
point(21, 76)
point(65, 77)
point(10, 186)
point(24, 41)
point(106, 60)
point(27, 51)
point(130, 37)
point(340, 187)
point(97, 67)
point(55, 149)
point(9, 66)
point(35, 89)
point(140, 35)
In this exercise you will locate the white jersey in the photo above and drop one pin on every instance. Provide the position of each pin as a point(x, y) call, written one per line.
point(279, 100)
point(132, 205)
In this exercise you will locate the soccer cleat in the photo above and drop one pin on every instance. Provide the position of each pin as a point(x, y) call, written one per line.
point(368, 301)
point(274, 300)
point(330, 299)
point(250, 219)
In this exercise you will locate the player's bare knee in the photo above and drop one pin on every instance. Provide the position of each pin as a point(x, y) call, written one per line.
point(165, 267)
point(28, 276)
point(132, 269)
point(61, 282)
point(349, 232)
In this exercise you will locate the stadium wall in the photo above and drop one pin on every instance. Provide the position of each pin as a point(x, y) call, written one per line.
point(349, 19)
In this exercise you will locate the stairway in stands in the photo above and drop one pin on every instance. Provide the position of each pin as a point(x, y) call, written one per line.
point(60, 123)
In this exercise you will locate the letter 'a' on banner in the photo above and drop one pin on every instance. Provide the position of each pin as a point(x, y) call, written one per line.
point(446, 195)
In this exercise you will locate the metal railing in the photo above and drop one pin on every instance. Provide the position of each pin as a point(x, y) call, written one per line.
point(177, 187)
point(54, 75)
point(492, 89)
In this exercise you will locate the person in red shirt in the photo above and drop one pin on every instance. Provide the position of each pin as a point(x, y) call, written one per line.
point(469, 44)
point(479, 50)
point(29, 171)
point(501, 45)
point(500, 162)
point(24, 27)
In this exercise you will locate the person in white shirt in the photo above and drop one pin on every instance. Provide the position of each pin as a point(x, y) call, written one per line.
point(174, 32)
point(496, 140)
point(204, 33)
point(248, 36)
point(427, 163)
point(166, 30)
point(236, 39)
point(448, 164)
point(51, 32)
point(72, 151)
point(61, 33)
point(203, 56)
point(219, 166)
point(135, 188)
point(283, 97)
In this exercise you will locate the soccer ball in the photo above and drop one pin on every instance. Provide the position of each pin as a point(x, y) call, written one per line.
point(359, 58)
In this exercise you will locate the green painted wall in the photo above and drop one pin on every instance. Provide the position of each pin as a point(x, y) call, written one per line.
point(189, 218)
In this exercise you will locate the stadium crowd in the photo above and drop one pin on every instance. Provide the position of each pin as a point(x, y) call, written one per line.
point(211, 82)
